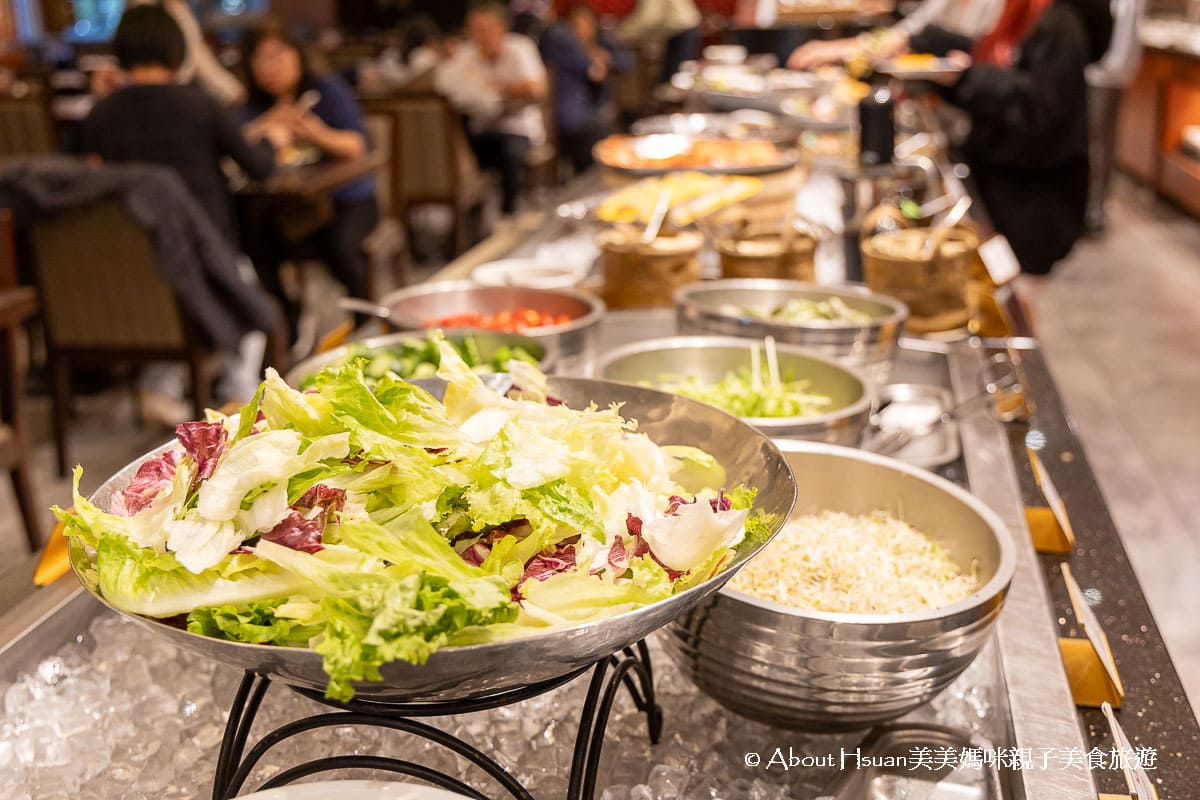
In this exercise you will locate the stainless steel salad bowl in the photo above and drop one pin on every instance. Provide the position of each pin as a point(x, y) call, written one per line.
point(716, 307)
point(570, 345)
point(487, 342)
point(456, 673)
point(813, 670)
point(710, 358)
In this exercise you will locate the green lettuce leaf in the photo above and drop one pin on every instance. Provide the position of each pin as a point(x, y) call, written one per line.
point(147, 528)
point(400, 612)
point(572, 597)
point(255, 623)
point(141, 581)
point(389, 422)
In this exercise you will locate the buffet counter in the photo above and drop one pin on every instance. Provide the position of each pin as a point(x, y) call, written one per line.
point(129, 707)
point(98, 706)
point(996, 467)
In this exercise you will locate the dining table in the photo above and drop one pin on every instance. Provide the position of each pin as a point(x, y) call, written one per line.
point(316, 179)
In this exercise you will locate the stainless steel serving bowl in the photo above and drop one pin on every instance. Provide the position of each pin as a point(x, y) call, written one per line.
point(815, 670)
point(710, 358)
point(713, 307)
point(488, 343)
point(570, 345)
point(456, 673)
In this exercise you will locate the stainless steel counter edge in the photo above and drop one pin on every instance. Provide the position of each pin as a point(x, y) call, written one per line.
point(42, 622)
point(1042, 712)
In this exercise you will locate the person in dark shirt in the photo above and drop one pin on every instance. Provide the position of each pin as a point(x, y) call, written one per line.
point(1023, 86)
point(152, 119)
point(582, 60)
point(322, 112)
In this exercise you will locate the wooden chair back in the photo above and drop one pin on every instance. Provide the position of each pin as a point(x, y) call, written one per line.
point(432, 159)
point(100, 284)
point(26, 124)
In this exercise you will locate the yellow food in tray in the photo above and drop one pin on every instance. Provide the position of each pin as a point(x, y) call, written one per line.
point(693, 195)
point(849, 91)
point(915, 61)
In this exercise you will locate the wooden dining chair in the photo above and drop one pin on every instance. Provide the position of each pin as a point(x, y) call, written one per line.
point(17, 304)
point(104, 301)
point(542, 160)
point(26, 123)
point(432, 160)
point(386, 247)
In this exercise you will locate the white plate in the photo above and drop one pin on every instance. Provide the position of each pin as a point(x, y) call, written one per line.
point(725, 53)
point(527, 272)
point(354, 790)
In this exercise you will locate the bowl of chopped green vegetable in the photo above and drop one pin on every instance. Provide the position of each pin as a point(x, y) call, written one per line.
point(848, 323)
point(411, 356)
point(782, 390)
point(880, 590)
point(408, 544)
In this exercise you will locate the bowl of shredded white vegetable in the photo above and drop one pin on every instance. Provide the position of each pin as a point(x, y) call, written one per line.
point(878, 592)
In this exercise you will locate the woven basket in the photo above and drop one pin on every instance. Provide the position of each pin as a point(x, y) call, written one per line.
point(765, 255)
point(638, 275)
point(936, 289)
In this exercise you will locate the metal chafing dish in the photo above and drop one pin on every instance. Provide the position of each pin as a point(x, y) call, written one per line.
point(457, 673)
point(716, 307)
point(710, 358)
point(570, 345)
point(822, 671)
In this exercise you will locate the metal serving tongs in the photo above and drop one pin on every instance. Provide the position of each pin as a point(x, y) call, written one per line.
point(943, 226)
point(366, 307)
point(998, 375)
point(661, 207)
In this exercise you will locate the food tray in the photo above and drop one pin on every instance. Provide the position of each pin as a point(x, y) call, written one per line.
point(940, 68)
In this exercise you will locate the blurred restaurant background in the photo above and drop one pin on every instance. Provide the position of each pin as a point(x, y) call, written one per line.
point(334, 153)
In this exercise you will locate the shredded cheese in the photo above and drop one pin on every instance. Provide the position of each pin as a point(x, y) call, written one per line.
point(868, 564)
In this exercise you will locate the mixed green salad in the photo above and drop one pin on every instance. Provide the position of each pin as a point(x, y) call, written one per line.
point(797, 311)
point(375, 523)
point(418, 357)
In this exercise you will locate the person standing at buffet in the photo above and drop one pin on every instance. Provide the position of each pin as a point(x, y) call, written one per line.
point(673, 24)
point(582, 60)
point(1107, 79)
point(316, 112)
point(969, 18)
point(1023, 87)
point(497, 80)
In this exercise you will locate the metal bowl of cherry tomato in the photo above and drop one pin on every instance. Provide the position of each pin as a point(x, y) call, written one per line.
point(564, 321)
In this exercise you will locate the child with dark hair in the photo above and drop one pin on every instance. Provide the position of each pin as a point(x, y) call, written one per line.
point(155, 120)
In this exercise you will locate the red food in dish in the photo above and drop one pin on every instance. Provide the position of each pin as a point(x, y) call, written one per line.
point(513, 321)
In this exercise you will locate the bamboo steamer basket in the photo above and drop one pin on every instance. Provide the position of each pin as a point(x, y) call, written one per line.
point(936, 289)
point(641, 274)
point(750, 242)
point(764, 253)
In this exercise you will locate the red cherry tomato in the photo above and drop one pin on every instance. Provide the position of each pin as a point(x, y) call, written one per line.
point(510, 320)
